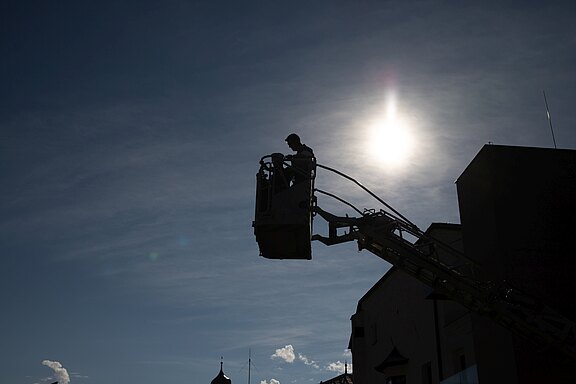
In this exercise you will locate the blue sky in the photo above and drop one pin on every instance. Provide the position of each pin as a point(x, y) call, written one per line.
point(130, 134)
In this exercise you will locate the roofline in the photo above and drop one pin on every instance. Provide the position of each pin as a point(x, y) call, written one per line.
point(516, 147)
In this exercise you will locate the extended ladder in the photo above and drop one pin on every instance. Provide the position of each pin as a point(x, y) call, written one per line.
point(448, 271)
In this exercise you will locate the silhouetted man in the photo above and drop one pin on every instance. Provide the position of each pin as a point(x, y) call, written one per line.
point(302, 162)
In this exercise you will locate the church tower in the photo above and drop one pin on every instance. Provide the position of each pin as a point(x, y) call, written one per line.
point(221, 378)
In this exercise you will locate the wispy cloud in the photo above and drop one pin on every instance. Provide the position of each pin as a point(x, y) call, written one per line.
point(77, 375)
point(307, 361)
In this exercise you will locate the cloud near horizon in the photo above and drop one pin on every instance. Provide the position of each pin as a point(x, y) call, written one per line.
point(60, 372)
point(288, 354)
point(272, 381)
point(339, 367)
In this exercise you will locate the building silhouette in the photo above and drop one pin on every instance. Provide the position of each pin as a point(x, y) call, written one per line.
point(518, 216)
point(221, 378)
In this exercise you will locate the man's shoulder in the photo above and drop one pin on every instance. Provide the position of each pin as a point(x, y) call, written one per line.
point(306, 150)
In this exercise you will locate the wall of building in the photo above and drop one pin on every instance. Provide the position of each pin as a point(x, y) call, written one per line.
point(393, 316)
point(518, 214)
point(399, 312)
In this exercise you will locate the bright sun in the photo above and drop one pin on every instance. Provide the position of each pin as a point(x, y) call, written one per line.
point(391, 142)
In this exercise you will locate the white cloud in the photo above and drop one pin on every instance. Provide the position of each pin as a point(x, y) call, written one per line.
point(60, 372)
point(339, 367)
point(286, 354)
point(272, 381)
point(307, 361)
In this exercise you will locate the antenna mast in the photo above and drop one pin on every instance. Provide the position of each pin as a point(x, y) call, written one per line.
point(549, 119)
point(249, 363)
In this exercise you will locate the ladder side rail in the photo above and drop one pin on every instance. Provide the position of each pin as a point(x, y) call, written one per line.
point(429, 248)
point(544, 326)
point(403, 254)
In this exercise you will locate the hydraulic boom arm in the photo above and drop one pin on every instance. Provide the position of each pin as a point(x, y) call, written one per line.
point(448, 271)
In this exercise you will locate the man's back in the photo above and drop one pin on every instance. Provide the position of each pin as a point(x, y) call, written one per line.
point(303, 163)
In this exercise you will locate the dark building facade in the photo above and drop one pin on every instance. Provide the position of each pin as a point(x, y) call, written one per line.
point(402, 333)
point(518, 215)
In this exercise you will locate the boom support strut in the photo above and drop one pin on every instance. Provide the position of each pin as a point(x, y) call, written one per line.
point(449, 272)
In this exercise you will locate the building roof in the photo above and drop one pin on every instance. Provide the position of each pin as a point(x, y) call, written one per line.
point(221, 378)
point(496, 153)
point(344, 378)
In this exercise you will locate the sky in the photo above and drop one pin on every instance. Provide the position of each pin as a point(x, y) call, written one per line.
point(130, 136)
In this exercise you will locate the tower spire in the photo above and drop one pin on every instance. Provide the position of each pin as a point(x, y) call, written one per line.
point(221, 378)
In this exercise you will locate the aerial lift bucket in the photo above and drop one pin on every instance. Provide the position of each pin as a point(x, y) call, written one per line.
point(283, 217)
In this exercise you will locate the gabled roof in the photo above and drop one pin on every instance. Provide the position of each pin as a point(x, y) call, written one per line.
point(393, 359)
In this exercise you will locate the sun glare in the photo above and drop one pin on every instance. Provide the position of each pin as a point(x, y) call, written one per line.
point(390, 140)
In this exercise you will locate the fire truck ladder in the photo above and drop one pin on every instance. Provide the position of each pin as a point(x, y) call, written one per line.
point(393, 238)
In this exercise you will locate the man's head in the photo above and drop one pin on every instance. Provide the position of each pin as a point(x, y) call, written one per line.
point(293, 141)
